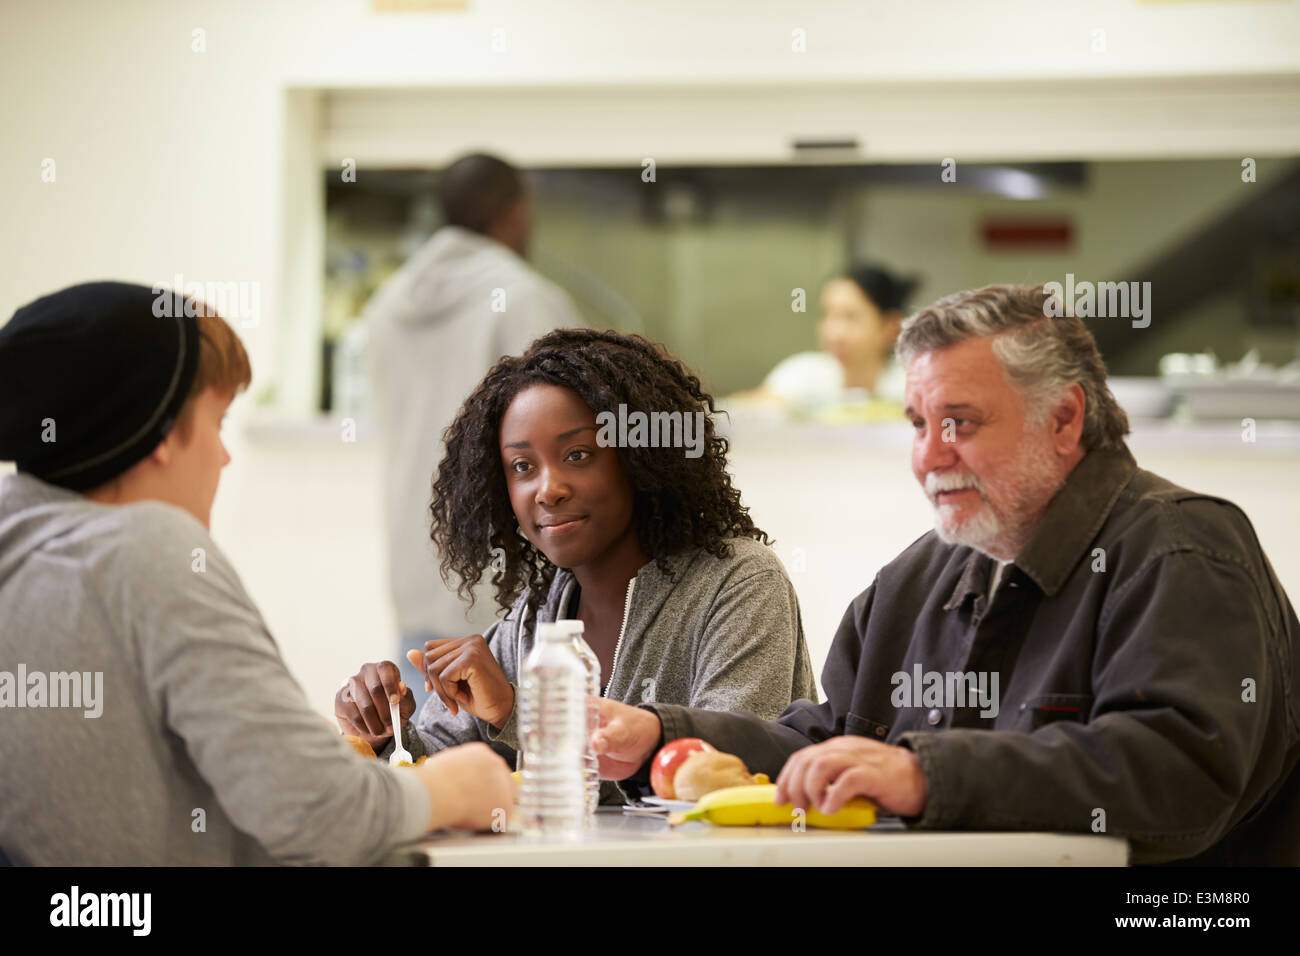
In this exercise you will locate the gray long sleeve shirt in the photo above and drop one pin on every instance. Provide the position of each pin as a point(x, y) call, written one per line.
point(722, 634)
point(204, 749)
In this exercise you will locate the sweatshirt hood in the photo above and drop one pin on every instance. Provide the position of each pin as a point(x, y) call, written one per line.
point(33, 513)
point(454, 268)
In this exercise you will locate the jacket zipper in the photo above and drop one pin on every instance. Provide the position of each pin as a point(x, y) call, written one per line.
point(519, 677)
point(613, 666)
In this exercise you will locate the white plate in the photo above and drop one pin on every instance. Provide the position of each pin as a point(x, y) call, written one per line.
point(674, 805)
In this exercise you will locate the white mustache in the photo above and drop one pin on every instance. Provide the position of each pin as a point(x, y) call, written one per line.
point(935, 483)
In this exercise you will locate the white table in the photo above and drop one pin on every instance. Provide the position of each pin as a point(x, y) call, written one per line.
point(633, 840)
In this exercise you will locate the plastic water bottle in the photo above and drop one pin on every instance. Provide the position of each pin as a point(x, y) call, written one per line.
point(591, 763)
point(553, 724)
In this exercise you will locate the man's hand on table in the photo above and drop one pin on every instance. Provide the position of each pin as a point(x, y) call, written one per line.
point(826, 776)
point(627, 738)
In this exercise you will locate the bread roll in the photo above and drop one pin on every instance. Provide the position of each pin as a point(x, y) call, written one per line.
point(706, 771)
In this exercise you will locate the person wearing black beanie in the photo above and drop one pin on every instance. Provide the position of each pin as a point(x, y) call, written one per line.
point(128, 642)
point(118, 391)
point(91, 380)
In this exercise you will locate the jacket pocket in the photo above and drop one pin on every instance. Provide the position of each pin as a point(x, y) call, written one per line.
point(864, 727)
point(1049, 708)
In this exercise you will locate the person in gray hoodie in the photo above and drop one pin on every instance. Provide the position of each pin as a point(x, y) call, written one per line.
point(586, 475)
point(148, 717)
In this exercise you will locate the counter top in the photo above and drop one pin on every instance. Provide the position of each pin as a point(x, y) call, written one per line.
point(759, 431)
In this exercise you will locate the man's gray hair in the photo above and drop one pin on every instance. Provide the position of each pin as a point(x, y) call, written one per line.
point(1041, 354)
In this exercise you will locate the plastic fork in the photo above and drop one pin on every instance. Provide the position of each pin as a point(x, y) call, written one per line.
point(399, 753)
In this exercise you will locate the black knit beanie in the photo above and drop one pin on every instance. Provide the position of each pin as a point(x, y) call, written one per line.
point(92, 379)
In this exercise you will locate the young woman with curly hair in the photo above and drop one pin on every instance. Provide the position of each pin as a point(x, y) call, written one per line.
point(681, 598)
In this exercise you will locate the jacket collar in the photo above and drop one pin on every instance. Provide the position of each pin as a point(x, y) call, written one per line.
point(1071, 522)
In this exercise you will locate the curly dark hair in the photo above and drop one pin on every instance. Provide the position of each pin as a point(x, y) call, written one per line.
point(678, 502)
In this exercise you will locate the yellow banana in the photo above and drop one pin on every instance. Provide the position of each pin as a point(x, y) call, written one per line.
point(755, 805)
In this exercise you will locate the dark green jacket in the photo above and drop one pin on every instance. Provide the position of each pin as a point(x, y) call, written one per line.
point(1147, 667)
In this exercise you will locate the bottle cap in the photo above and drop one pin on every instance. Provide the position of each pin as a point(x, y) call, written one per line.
point(552, 631)
point(571, 627)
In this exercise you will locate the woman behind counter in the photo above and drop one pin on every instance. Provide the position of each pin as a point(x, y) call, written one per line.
point(650, 547)
point(861, 313)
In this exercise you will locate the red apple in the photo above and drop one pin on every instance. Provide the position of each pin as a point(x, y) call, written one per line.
point(671, 756)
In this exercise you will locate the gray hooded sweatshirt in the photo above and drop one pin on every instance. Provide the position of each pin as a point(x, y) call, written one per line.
point(721, 634)
point(146, 716)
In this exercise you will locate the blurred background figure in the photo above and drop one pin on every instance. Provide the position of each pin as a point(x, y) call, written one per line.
point(861, 312)
point(433, 329)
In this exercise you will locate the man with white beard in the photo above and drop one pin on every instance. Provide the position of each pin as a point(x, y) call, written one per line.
point(1144, 648)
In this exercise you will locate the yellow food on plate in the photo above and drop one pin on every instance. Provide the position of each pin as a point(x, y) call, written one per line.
point(363, 748)
point(360, 746)
point(755, 805)
point(708, 770)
